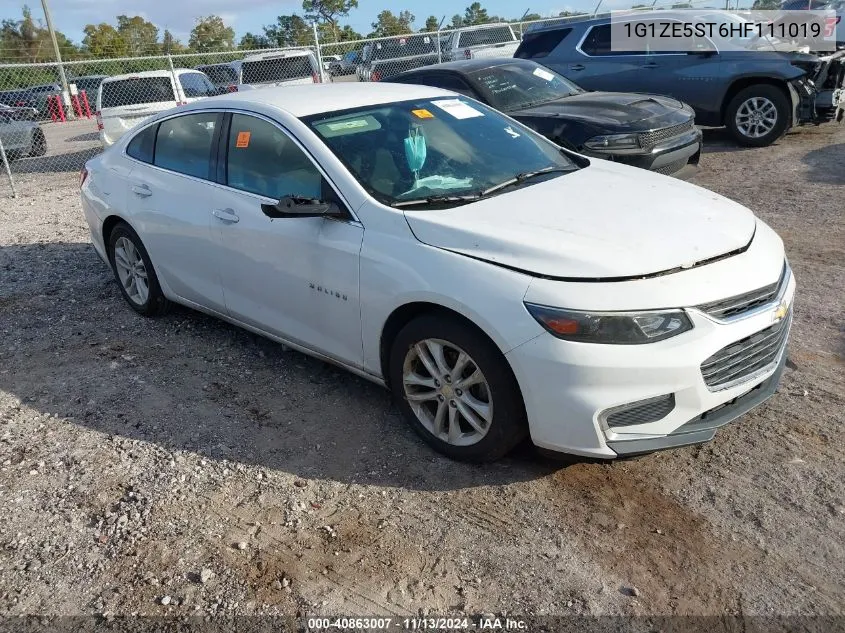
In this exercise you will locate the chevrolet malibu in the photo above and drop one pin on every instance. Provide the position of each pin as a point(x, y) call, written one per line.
point(500, 286)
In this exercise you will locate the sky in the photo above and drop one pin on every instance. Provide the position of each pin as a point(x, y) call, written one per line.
point(70, 16)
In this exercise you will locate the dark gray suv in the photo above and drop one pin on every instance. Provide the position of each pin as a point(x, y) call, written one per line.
point(757, 93)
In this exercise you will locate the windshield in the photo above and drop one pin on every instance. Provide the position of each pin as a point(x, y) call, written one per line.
point(515, 86)
point(435, 148)
point(485, 36)
point(136, 90)
point(403, 47)
point(220, 75)
point(276, 69)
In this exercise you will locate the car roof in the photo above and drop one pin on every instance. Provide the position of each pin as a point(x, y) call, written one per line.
point(311, 99)
point(277, 55)
point(149, 73)
point(464, 66)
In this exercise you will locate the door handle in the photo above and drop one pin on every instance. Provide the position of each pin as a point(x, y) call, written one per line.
point(651, 65)
point(577, 67)
point(227, 215)
point(142, 190)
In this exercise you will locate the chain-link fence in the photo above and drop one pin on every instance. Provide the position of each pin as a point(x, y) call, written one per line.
point(48, 129)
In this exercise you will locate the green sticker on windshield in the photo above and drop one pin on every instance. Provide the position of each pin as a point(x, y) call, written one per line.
point(342, 127)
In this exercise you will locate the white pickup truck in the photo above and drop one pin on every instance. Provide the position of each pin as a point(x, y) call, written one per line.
point(484, 40)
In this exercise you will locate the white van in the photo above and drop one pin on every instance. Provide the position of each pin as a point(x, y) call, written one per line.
point(124, 101)
point(280, 68)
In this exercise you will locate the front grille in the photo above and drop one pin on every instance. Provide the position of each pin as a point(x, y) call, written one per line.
point(641, 412)
point(672, 167)
point(740, 304)
point(741, 360)
point(648, 140)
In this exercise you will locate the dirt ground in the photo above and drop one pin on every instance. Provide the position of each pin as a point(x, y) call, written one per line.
point(181, 466)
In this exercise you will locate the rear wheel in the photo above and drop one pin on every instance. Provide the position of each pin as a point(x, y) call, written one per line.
point(134, 272)
point(758, 115)
point(455, 389)
point(39, 143)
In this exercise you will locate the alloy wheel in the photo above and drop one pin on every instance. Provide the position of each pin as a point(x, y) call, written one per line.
point(131, 271)
point(756, 117)
point(447, 392)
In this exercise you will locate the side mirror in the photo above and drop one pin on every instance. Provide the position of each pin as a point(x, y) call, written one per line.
point(299, 207)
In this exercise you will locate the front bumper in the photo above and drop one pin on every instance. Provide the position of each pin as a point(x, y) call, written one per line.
point(666, 158)
point(569, 388)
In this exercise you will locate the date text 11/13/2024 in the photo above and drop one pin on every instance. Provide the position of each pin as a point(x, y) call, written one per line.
point(484, 623)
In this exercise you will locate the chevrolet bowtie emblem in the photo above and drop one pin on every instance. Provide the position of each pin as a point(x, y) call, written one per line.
point(780, 312)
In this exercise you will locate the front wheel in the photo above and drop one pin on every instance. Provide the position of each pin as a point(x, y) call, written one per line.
point(455, 389)
point(39, 144)
point(758, 115)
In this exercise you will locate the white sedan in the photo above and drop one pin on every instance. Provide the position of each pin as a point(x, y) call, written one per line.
point(498, 285)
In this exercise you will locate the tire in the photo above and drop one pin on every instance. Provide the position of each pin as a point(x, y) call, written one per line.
point(499, 393)
point(39, 144)
point(762, 99)
point(153, 302)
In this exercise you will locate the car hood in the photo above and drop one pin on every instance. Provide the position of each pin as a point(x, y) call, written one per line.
point(612, 109)
point(605, 221)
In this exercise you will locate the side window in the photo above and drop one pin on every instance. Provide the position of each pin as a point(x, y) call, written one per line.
point(183, 144)
point(141, 147)
point(598, 43)
point(263, 159)
point(537, 45)
point(196, 85)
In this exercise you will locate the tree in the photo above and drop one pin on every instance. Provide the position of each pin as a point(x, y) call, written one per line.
point(141, 36)
point(457, 21)
point(529, 17)
point(289, 30)
point(764, 5)
point(475, 14)
point(251, 41)
point(26, 40)
point(345, 34)
point(328, 12)
point(103, 40)
point(211, 34)
point(431, 23)
point(389, 24)
point(170, 44)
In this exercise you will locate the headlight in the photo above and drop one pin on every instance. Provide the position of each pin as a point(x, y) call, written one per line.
point(613, 141)
point(611, 328)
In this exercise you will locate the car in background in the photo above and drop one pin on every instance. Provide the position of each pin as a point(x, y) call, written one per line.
point(328, 60)
point(757, 94)
point(500, 286)
point(387, 57)
point(32, 97)
point(484, 40)
point(19, 113)
point(652, 132)
point(224, 76)
point(21, 138)
point(125, 101)
point(345, 65)
point(89, 84)
point(286, 68)
point(837, 7)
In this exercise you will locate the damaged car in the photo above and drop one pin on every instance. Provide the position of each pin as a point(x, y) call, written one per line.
point(758, 92)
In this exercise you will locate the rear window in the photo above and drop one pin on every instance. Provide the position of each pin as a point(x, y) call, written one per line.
point(480, 37)
point(403, 47)
point(536, 45)
point(277, 69)
point(137, 90)
point(220, 75)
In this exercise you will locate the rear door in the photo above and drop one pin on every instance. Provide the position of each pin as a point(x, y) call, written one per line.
point(125, 103)
point(171, 200)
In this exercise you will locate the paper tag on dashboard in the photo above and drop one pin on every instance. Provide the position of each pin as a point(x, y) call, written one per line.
point(457, 108)
point(543, 74)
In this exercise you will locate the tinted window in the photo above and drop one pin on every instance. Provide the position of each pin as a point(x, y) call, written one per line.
point(277, 69)
point(197, 85)
point(88, 85)
point(141, 147)
point(403, 47)
point(598, 43)
point(183, 143)
point(536, 45)
point(263, 159)
point(495, 35)
point(515, 86)
point(220, 75)
point(137, 90)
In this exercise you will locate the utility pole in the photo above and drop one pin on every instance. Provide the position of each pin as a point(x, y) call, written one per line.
point(62, 76)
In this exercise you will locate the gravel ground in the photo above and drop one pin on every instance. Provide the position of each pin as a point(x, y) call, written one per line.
point(182, 466)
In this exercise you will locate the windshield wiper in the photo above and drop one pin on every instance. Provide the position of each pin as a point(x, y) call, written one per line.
point(437, 200)
point(520, 178)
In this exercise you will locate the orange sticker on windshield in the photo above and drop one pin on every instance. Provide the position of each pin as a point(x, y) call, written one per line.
point(422, 114)
point(243, 139)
